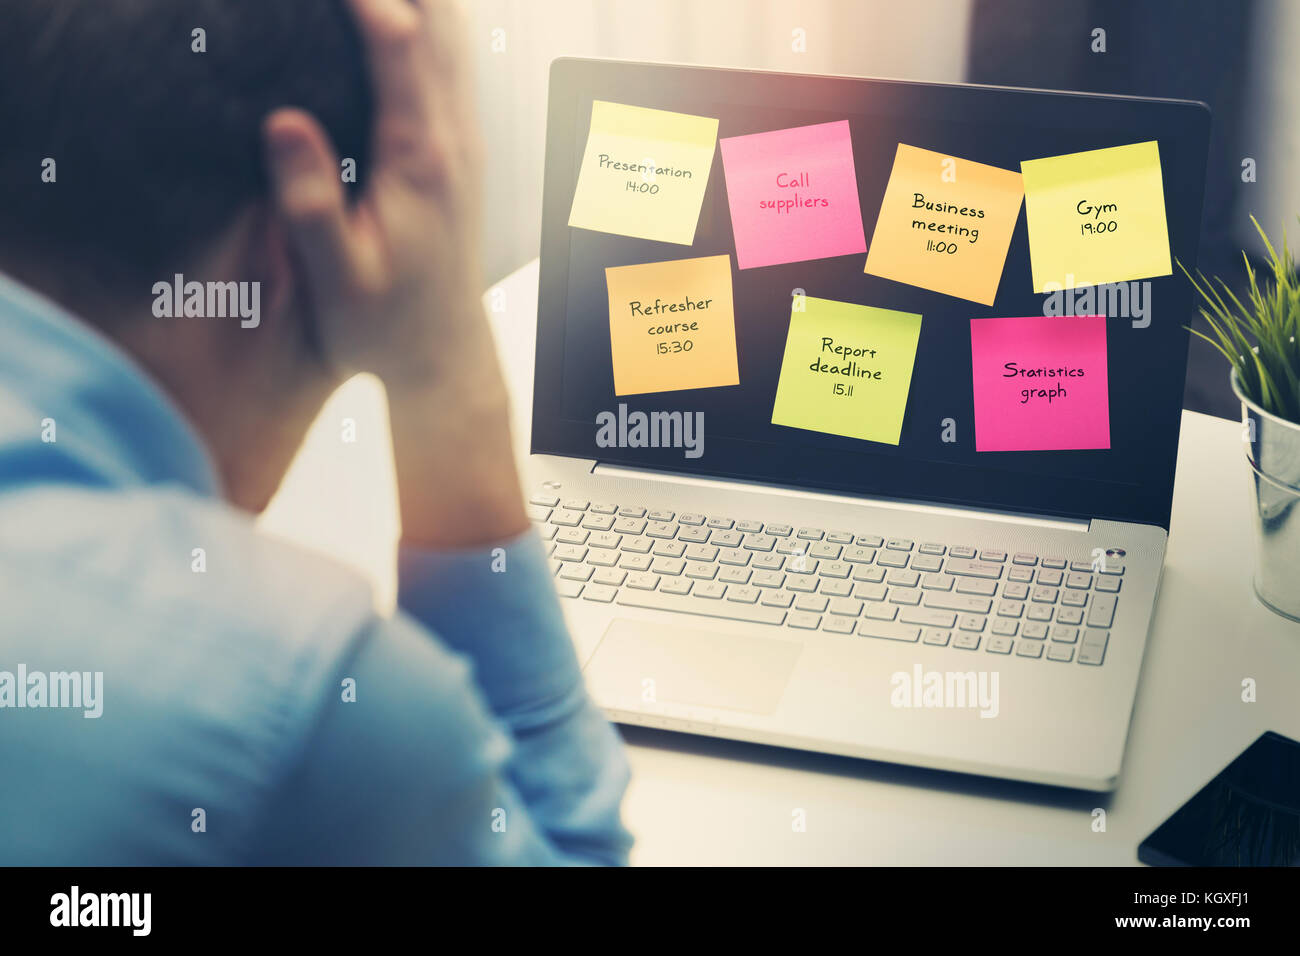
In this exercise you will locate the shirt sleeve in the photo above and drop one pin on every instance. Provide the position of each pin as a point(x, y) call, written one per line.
point(477, 746)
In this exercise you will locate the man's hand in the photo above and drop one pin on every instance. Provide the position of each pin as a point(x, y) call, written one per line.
point(393, 280)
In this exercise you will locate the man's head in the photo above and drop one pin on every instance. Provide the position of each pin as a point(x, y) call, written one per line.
point(132, 150)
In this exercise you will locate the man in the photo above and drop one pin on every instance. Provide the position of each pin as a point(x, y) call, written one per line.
point(252, 708)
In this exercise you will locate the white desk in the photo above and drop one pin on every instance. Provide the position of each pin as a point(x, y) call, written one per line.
point(697, 800)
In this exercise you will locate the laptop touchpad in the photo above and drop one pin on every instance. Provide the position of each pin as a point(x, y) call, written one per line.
point(642, 662)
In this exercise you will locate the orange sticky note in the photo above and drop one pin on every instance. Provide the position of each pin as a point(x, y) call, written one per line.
point(945, 224)
point(672, 325)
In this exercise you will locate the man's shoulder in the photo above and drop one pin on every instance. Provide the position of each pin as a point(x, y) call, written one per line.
point(159, 550)
point(212, 647)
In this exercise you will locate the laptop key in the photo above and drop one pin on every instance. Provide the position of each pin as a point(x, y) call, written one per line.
point(936, 637)
point(750, 527)
point(1021, 557)
point(576, 572)
point(599, 592)
point(721, 524)
point(727, 539)
point(1069, 615)
point(660, 529)
point(839, 537)
point(977, 586)
point(1102, 612)
point(823, 549)
point(804, 620)
point(810, 602)
point(643, 581)
point(537, 513)
point(889, 631)
point(701, 570)
point(569, 552)
point(733, 575)
point(569, 588)
point(605, 509)
point(839, 625)
point(700, 552)
point(974, 569)
point(710, 607)
point(881, 612)
point(544, 501)
point(780, 530)
point(631, 512)
point(1093, 649)
point(776, 599)
point(603, 558)
point(1005, 627)
point(577, 504)
point(767, 562)
point(962, 552)
point(931, 548)
point(868, 541)
point(673, 566)
point(733, 556)
point(596, 522)
point(636, 562)
point(958, 602)
point(676, 586)
point(690, 518)
point(638, 545)
point(1108, 584)
point(836, 588)
point(928, 617)
point(850, 607)
point(835, 569)
point(1028, 649)
point(629, 525)
point(966, 641)
point(1060, 652)
point(926, 562)
point(610, 576)
point(661, 515)
point(743, 594)
point(759, 542)
point(768, 579)
point(572, 536)
point(999, 645)
point(694, 535)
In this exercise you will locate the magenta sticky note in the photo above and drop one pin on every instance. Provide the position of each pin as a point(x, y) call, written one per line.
point(1040, 383)
point(793, 194)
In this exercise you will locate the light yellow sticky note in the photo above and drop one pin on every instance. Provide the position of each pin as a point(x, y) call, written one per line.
point(945, 224)
point(644, 172)
point(672, 325)
point(1096, 217)
point(847, 369)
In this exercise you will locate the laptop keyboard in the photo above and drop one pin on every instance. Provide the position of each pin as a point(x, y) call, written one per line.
point(808, 579)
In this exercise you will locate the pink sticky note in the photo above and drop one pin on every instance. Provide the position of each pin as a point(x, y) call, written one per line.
point(793, 195)
point(1040, 383)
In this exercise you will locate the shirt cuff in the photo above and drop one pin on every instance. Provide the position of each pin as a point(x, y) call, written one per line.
point(497, 605)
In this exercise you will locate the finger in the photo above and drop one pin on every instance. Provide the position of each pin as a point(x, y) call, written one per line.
point(396, 42)
point(308, 191)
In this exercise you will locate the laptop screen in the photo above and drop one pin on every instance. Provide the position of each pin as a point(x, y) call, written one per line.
point(956, 294)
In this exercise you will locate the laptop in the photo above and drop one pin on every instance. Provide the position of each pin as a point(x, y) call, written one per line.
point(856, 406)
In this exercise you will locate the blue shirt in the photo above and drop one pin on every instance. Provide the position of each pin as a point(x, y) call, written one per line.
point(253, 707)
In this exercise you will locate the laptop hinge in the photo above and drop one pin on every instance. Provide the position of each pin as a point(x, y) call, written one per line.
point(902, 504)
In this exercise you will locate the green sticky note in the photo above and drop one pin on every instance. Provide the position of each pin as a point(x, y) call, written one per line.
point(847, 369)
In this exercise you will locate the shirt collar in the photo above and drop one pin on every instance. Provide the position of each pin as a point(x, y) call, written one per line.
point(112, 424)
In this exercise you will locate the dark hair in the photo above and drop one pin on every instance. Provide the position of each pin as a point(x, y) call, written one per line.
point(157, 146)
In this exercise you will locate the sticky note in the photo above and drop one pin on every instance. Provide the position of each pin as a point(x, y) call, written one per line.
point(1040, 383)
point(643, 172)
point(945, 224)
point(793, 195)
point(847, 369)
point(1096, 217)
point(672, 325)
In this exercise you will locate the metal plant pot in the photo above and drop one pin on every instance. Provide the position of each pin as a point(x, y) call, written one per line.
point(1273, 453)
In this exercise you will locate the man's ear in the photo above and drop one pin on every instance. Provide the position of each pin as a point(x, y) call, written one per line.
point(270, 263)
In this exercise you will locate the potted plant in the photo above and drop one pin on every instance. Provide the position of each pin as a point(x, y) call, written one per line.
point(1261, 341)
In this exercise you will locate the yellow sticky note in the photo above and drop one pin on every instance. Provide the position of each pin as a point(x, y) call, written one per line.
point(945, 224)
point(643, 172)
point(847, 369)
point(672, 325)
point(1096, 217)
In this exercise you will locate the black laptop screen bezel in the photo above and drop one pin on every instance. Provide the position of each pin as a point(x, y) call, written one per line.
point(1181, 128)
